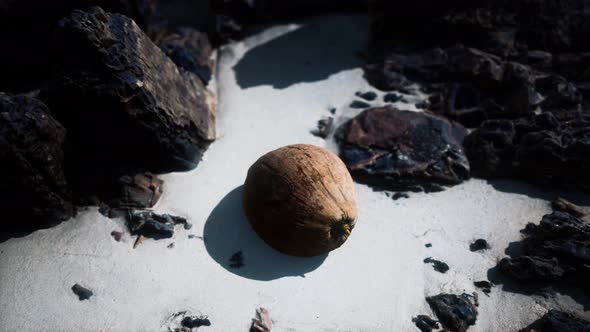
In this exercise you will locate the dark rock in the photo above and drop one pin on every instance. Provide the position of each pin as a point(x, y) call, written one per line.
point(392, 98)
point(188, 226)
point(26, 31)
point(332, 110)
point(170, 246)
point(112, 76)
point(399, 195)
point(402, 150)
point(369, 95)
point(423, 104)
point(548, 149)
point(438, 266)
point(34, 190)
point(359, 104)
point(83, 293)
point(557, 249)
point(558, 321)
point(563, 205)
point(132, 192)
point(455, 312)
point(152, 225)
point(428, 245)
point(236, 261)
point(485, 286)
point(425, 323)
point(195, 322)
point(479, 244)
point(325, 127)
point(117, 235)
point(190, 50)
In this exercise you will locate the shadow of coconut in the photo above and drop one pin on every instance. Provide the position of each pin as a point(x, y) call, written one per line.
point(227, 232)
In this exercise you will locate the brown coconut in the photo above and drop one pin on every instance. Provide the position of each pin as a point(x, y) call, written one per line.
point(300, 199)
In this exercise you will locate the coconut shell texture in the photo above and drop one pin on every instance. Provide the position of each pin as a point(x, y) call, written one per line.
point(300, 199)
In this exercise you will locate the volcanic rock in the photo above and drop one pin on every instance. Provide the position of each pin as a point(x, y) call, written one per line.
point(425, 323)
point(455, 312)
point(402, 150)
point(82, 292)
point(359, 104)
point(550, 149)
point(123, 100)
point(479, 244)
point(484, 285)
point(558, 321)
point(369, 95)
point(438, 266)
point(556, 249)
point(152, 225)
point(190, 50)
point(34, 191)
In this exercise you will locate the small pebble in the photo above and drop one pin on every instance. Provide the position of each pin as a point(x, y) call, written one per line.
point(479, 244)
point(82, 292)
point(369, 95)
point(117, 235)
point(438, 266)
point(191, 323)
point(359, 104)
point(428, 245)
point(392, 98)
point(170, 246)
point(188, 226)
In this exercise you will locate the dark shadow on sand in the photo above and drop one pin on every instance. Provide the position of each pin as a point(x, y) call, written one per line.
point(321, 47)
point(534, 191)
point(227, 231)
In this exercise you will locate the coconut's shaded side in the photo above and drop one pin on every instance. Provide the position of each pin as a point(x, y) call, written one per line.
point(300, 199)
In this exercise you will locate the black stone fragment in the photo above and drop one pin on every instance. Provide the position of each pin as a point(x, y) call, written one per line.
point(82, 292)
point(359, 104)
point(324, 127)
point(558, 321)
point(369, 95)
point(485, 286)
point(236, 261)
point(399, 195)
point(428, 245)
point(152, 225)
point(425, 323)
point(392, 97)
point(438, 266)
point(195, 322)
point(117, 235)
point(398, 150)
point(455, 312)
point(479, 244)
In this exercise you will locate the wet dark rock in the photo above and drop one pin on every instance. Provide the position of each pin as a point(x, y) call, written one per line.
point(117, 235)
point(190, 50)
point(120, 96)
point(152, 225)
point(558, 321)
point(455, 312)
point(325, 127)
point(236, 261)
point(479, 244)
point(563, 205)
point(82, 292)
point(359, 104)
point(392, 98)
point(402, 150)
point(556, 249)
point(425, 323)
point(34, 190)
point(27, 28)
point(484, 285)
point(195, 322)
point(438, 266)
point(548, 149)
point(369, 95)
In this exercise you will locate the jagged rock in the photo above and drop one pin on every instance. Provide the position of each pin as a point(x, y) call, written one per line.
point(558, 248)
point(324, 127)
point(139, 191)
point(550, 148)
point(438, 266)
point(123, 100)
point(152, 225)
point(455, 312)
point(26, 31)
point(190, 50)
point(425, 323)
point(558, 321)
point(402, 150)
point(34, 191)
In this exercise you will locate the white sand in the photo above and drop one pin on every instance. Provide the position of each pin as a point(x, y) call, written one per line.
point(375, 282)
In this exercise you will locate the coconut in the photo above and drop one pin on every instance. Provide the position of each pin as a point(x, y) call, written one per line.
point(300, 199)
